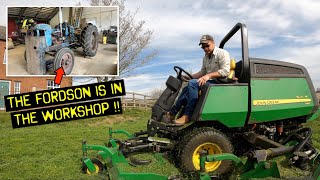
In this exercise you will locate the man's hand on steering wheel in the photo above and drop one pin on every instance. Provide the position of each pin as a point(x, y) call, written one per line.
point(203, 80)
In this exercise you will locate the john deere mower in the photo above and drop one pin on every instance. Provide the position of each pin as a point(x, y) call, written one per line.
point(258, 116)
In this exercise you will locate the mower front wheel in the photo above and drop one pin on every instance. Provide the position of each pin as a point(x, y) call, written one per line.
point(211, 140)
point(97, 164)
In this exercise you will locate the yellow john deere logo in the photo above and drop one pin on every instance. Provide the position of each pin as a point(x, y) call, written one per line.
point(267, 102)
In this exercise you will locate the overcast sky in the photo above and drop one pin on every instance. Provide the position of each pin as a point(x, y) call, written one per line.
point(280, 30)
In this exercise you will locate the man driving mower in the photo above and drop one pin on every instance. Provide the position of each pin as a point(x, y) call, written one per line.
point(216, 64)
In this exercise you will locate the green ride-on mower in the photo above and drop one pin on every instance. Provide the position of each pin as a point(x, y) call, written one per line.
point(259, 116)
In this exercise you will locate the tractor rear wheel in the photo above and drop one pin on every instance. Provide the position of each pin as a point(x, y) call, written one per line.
point(211, 140)
point(89, 40)
point(64, 58)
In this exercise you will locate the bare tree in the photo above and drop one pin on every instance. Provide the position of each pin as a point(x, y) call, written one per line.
point(156, 93)
point(133, 37)
point(104, 3)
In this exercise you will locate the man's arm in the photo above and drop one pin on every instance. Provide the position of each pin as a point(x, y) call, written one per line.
point(222, 72)
point(197, 75)
point(205, 78)
point(224, 64)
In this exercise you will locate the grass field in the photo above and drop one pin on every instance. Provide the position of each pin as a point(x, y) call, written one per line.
point(54, 151)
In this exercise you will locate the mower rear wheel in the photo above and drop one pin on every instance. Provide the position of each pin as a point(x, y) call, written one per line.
point(211, 140)
point(89, 40)
point(64, 58)
point(97, 164)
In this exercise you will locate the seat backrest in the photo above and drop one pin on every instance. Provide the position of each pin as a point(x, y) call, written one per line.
point(232, 69)
point(230, 78)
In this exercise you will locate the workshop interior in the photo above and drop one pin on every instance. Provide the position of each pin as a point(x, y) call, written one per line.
point(82, 40)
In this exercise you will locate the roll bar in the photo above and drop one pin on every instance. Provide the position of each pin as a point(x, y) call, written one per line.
point(245, 72)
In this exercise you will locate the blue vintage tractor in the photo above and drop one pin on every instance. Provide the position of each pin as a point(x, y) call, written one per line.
point(58, 42)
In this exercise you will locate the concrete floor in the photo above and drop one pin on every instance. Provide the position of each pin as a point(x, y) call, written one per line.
point(104, 63)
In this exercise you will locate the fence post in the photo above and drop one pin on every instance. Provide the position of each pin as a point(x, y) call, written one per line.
point(122, 102)
point(134, 100)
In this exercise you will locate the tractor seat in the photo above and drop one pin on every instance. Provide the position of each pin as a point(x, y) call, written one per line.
point(230, 78)
point(232, 70)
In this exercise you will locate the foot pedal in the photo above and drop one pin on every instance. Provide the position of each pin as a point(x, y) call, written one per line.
point(164, 119)
point(138, 162)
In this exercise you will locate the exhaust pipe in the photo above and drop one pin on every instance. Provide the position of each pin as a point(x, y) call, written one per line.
point(60, 21)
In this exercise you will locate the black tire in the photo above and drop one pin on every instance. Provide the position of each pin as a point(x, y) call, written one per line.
point(64, 58)
point(25, 55)
point(98, 165)
point(89, 40)
point(205, 138)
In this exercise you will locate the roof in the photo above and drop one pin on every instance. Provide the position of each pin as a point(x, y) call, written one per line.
point(36, 13)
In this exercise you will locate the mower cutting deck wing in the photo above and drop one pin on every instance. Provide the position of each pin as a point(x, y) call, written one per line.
point(114, 157)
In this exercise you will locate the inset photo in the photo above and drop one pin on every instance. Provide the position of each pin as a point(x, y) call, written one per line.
point(81, 40)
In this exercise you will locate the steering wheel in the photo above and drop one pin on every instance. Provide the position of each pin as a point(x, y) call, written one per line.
point(179, 71)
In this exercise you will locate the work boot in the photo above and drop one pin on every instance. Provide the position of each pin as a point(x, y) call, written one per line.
point(168, 117)
point(183, 120)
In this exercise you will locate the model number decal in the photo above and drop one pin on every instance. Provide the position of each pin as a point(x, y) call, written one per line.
point(268, 102)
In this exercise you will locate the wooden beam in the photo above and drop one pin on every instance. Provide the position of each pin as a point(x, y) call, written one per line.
point(22, 10)
point(38, 12)
point(54, 12)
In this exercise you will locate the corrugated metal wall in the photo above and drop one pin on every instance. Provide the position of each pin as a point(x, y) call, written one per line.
point(104, 16)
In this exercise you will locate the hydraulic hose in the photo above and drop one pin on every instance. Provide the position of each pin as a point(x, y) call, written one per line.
point(303, 142)
point(299, 147)
point(280, 151)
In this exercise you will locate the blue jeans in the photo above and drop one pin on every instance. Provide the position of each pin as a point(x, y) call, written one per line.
point(188, 98)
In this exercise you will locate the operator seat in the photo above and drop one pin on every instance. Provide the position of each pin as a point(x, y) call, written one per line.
point(232, 70)
point(230, 78)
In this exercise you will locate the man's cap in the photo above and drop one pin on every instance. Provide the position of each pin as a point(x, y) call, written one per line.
point(205, 39)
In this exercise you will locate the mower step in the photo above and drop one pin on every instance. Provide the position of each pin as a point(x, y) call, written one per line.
point(158, 141)
point(156, 126)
